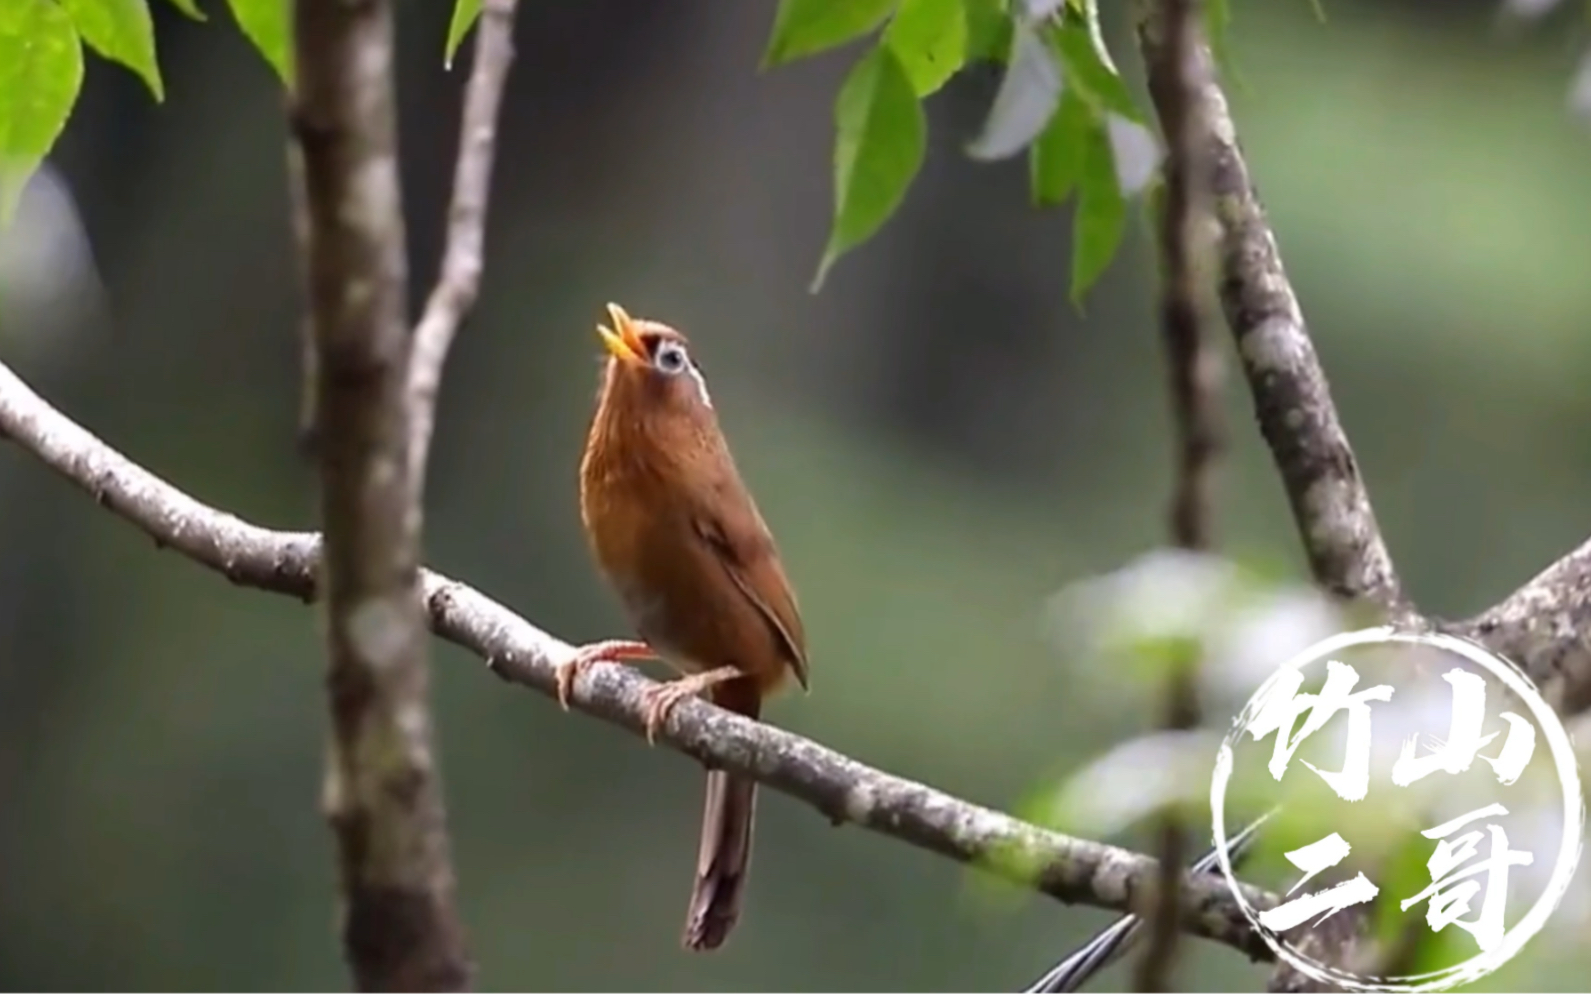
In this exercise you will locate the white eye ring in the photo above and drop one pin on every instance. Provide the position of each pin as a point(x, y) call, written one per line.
point(671, 358)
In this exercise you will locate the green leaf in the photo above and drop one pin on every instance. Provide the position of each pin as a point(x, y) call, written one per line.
point(929, 37)
point(1027, 98)
point(1056, 158)
point(1087, 71)
point(41, 71)
point(1101, 212)
point(881, 137)
point(268, 24)
point(988, 31)
point(465, 13)
point(807, 27)
point(121, 31)
point(190, 8)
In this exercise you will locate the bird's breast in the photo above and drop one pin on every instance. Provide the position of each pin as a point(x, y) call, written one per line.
point(637, 537)
point(677, 594)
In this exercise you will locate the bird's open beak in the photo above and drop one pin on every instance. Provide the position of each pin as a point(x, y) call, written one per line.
point(621, 340)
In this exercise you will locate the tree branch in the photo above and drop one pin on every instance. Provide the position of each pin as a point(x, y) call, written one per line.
point(1074, 871)
point(459, 281)
point(382, 794)
point(1545, 628)
point(1194, 372)
point(1193, 364)
point(1292, 400)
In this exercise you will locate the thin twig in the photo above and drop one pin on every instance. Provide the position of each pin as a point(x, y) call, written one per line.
point(460, 278)
point(383, 794)
point(1075, 871)
point(1194, 374)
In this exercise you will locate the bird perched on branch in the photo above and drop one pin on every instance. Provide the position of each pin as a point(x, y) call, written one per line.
point(676, 533)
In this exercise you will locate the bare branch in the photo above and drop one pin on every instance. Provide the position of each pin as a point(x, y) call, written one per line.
point(1075, 871)
point(1194, 369)
point(383, 795)
point(1193, 363)
point(460, 278)
point(248, 555)
point(1545, 628)
point(1292, 400)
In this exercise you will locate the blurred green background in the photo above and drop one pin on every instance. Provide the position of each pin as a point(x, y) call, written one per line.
point(939, 440)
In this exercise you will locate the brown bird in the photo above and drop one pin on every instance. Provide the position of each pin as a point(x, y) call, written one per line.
point(678, 536)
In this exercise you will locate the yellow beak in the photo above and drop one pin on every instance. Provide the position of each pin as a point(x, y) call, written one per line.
point(621, 340)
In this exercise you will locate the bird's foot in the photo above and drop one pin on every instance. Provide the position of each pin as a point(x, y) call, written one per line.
point(660, 700)
point(608, 651)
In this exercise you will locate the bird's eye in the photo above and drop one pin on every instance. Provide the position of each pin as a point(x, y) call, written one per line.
point(670, 358)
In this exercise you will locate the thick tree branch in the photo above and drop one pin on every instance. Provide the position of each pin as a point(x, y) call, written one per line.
point(1194, 377)
point(1292, 401)
point(460, 278)
point(1075, 871)
point(382, 795)
point(1545, 628)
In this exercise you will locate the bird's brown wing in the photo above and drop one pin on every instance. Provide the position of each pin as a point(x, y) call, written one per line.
point(739, 540)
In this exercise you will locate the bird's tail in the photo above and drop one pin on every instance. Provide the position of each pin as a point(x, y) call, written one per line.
point(726, 838)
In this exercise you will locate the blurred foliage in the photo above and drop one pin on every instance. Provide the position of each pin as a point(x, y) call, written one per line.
point(939, 441)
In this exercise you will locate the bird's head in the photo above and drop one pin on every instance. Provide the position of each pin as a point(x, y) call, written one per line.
point(650, 369)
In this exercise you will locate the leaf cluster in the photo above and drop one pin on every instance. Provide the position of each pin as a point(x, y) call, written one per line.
point(1061, 102)
point(41, 65)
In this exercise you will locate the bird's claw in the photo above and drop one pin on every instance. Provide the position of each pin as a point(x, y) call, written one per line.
point(659, 701)
point(567, 671)
point(612, 651)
